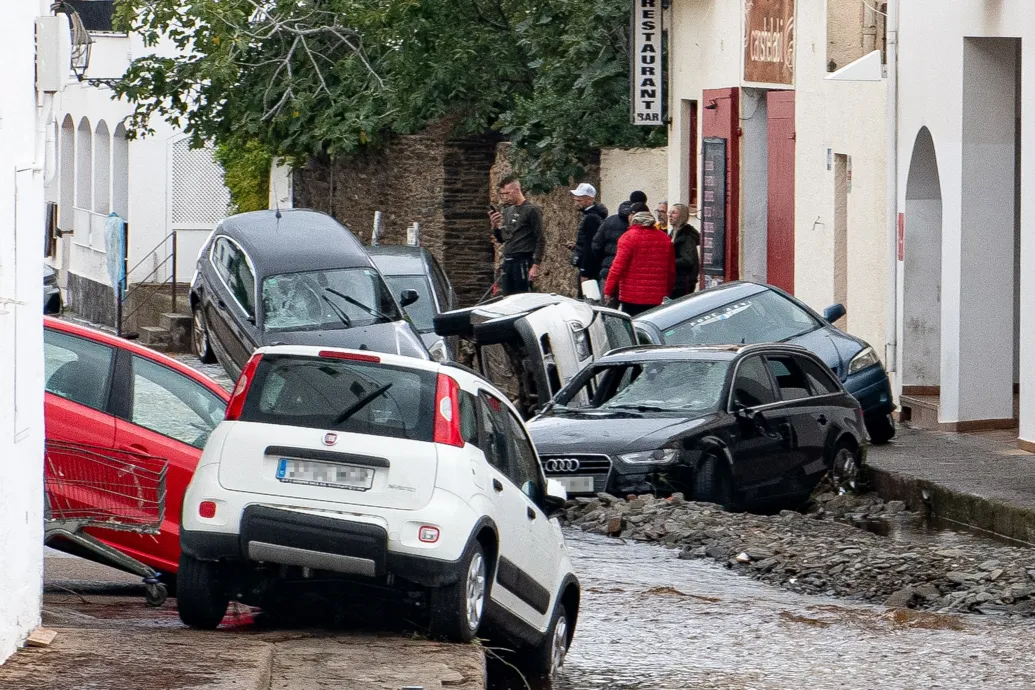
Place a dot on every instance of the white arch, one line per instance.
(66, 168)
(120, 172)
(102, 169)
(84, 165)
(922, 269)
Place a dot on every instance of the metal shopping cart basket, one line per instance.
(87, 486)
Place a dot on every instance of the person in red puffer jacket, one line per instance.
(644, 270)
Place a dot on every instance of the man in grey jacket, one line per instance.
(519, 227)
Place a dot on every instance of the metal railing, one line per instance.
(153, 288)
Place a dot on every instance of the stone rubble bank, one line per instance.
(814, 554)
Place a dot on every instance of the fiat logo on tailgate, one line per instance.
(330, 438)
(562, 465)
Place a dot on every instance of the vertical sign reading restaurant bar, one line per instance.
(713, 212)
(646, 63)
(769, 41)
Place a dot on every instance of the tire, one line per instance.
(199, 336)
(881, 429)
(845, 469)
(544, 660)
(712, 483)
(458, 609)
(202, 594)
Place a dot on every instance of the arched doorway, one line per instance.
(84, 166)
(102, 169)
(922, 271)
(66, 167)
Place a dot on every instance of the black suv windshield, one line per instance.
(653, 386)
(353, 396)
(313, 300)
(763, 318)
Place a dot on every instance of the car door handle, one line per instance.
(135, 448)
(530, 513)
(822, 419)
(497, 485)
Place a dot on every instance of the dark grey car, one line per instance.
(414, 268)
(298, 279)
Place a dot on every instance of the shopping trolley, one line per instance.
(88, 486)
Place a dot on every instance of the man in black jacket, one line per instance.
(519, 227)
(593, 215)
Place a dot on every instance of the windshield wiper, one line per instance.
(342, 316)
(357, 303)
(360, 404)
(639, 408)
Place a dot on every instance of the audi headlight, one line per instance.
(664, 456)
(866, 358)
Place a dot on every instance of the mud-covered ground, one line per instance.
(816, 554)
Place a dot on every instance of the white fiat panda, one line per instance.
(382, 469)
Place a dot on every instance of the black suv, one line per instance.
(292, 278)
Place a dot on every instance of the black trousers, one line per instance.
(634, 309)
(515, 274)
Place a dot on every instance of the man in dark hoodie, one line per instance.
(605, 242)
(593, 215)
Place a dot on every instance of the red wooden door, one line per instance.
(780, 234)
(721, 118)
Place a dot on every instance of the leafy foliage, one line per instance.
(302, 78)
(247, 174)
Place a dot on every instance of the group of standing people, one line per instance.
(637, 258)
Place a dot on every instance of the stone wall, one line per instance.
(446, 184)
(560, 221)
(91, 300)
(439, 181)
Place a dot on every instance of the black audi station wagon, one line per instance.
(741, 426)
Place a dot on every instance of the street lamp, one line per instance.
(82, 41)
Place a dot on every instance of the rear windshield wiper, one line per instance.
(360, 404)
(357, 303)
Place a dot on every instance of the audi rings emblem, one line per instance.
(561, 465)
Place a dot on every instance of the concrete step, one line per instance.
(920, 411)
(179, 327)
(154, 337)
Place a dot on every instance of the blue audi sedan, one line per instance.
(742, 313)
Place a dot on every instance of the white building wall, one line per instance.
(623, 171)
(845, 118)
(931, 88)
(21, 333)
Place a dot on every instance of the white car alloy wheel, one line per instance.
(560, 644)
(475, 599)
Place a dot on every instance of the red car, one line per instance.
(108, 392)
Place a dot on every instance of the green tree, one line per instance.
(300, 78)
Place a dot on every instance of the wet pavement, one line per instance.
(650, 620)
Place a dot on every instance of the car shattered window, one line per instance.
(762, 318)
(323, 300)
(681, 385)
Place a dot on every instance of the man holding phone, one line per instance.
(519, 227)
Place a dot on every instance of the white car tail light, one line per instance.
(428, 534)
(447, 412)
(236, 404)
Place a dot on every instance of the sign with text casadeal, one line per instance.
(769, 41)
(646, 63)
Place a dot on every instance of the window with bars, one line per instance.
(199, 195)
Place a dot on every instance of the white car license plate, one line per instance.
(576, 485)
(329, 474)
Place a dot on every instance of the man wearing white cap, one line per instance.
(593, 214)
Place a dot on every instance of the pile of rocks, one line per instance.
(817, 555)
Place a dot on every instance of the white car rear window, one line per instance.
(346, 395)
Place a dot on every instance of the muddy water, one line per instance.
(650, 620)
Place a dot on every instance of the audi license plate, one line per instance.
(576, 485)
(293, 471)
